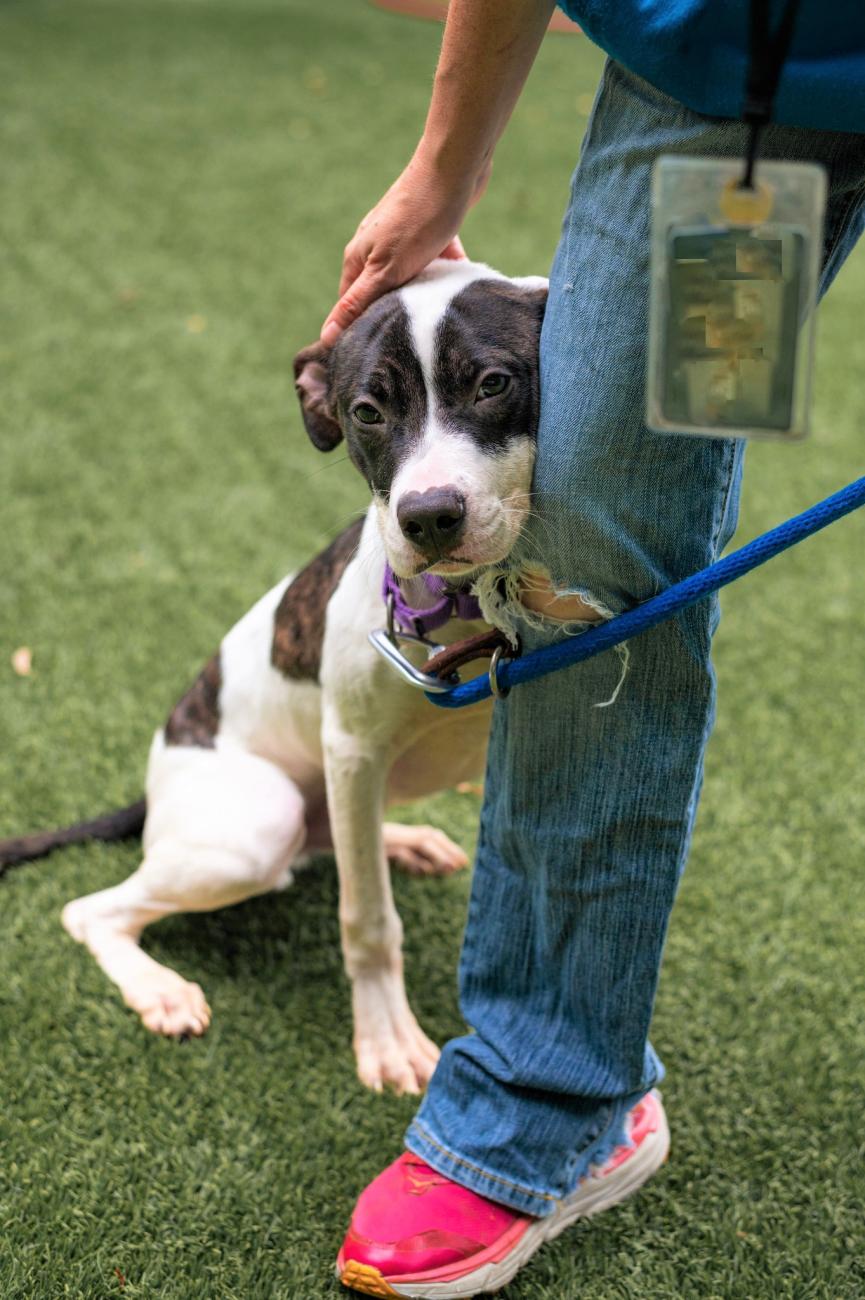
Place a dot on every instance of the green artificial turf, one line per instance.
(179, 179)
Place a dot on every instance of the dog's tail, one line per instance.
(120, 825)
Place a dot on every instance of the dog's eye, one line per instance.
(492, 386)
(365, 413)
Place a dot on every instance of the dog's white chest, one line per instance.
(449, 750)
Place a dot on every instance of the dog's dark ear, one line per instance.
(312, 385)
(535, 289)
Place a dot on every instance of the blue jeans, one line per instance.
(588, 811)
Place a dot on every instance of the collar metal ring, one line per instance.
(498, 691)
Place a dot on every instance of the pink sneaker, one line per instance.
(415, 1233)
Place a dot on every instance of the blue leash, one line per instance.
(682, 594)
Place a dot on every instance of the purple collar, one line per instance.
(450, 603)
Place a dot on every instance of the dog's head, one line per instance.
(435, 390)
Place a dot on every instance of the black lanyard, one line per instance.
(766, 54)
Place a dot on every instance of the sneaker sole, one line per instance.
(597, 1195)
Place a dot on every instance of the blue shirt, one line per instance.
(697, 52)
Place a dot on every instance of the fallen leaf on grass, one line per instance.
(22, 661)
(315, 80)
(196, 324)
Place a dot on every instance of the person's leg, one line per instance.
(589, 803)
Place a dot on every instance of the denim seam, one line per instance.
(600, 96)
(725, 504)
(467, 1164)
(856, 197)
(467, 943)
(596, 1137)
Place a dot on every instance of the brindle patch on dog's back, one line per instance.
(298, 630)
(195, 719)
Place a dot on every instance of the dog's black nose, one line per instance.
(432, 520)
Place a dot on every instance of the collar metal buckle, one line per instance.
(387, 641)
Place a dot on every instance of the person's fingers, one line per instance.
(360, 285)
(454, 250)
(352, 264)
(368, 286)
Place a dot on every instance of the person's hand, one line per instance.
(487, 51)
(416, 221)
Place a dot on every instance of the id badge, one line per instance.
(733, 294)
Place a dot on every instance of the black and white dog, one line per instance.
(296, 735)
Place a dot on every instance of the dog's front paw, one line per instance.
(422, 850)
(391, 1048)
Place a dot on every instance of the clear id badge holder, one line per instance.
(733, 295)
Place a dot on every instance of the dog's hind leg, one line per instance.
(110, 923)
(221, 827)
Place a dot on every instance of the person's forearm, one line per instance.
(487, 52)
